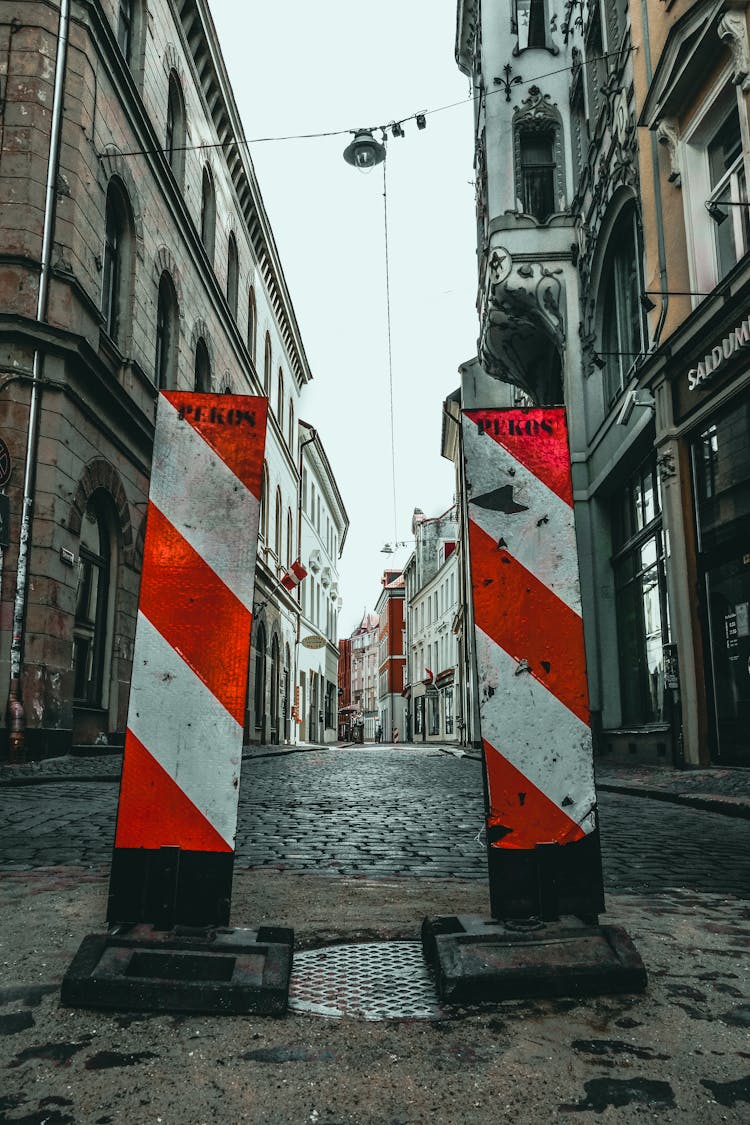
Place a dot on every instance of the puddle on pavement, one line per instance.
(106, 1060)
(601, 1093)
(59, 1053)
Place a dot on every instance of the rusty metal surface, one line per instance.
(372, 981)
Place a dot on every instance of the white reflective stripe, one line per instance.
(542, 539)
(529, 726)
(185, 727)
(200, 496)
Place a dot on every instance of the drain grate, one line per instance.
(373, 981)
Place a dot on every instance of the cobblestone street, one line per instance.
(381, 813)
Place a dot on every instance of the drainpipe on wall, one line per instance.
(657, 187)
(16, 712)
(302, 444)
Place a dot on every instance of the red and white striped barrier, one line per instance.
(531, 669)
(174, 842)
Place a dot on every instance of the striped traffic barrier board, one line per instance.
(542, 836)
(177, 815)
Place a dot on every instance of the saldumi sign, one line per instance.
(719, 356)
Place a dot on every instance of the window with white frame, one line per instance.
(715, 190)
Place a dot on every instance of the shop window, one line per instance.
(641, 601)
(202, 383)
(721, 472)
(449, 710)
(117, 260)
(165, 360)
(90, 628)
(434, 713)
(620, 312)
(174, 145)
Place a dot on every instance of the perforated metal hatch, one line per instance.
(373, 981)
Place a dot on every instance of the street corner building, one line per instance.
(613, 229)
(137, 256)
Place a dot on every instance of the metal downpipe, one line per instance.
(16, 712)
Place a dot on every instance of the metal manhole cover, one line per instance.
(374, 981)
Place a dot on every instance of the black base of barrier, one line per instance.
(219, 972)
(170, 887)
(547, 881)
(475, 960)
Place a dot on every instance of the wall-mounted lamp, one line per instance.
(598, 360)
(646, 303)
(716, 209)
(629, 403)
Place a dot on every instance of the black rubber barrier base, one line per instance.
(547, 881)
(219, 972)
(476, 960)
(170, 887)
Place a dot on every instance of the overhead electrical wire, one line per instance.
(236, 141)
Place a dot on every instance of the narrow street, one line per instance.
(378, 813)
(352, 848)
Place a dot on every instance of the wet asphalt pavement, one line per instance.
(379, 813)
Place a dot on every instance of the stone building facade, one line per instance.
(163, 273)
(611, 171)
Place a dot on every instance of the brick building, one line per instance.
(158, 269)
(391, 656)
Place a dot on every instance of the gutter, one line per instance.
(16, 712)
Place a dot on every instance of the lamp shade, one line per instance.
(364, 152)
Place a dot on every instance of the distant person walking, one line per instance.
(378, 733)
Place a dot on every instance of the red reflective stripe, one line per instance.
(528, 621)
(154, 812)
(545, 455)
(517, 804)
(196, 613)
(238, 443)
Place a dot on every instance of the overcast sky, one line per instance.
(298, 67)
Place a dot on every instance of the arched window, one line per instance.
(208, 212)
(92, 615)
(233, 275)
(292, 432)
(252, 323)
(537, 174)
(289, 539)
(202, 382)
(620, 314)
(280, 400)
(117, 260)
(263, 519)
(275, 685)
(538, 156)
(278, 527)
(175, 133)
(165, 361)
(267, 362)
(259, 694)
